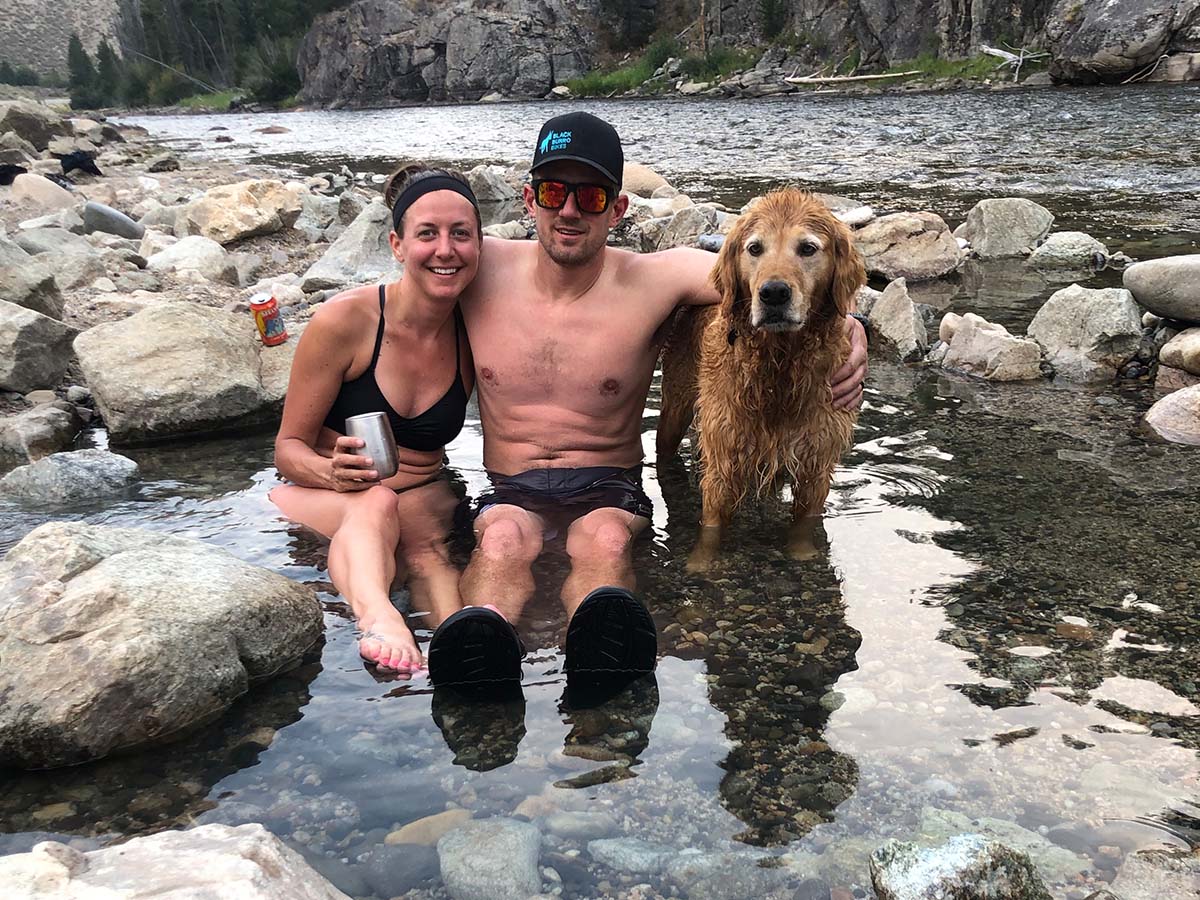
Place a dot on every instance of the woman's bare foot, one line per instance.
(390, 645)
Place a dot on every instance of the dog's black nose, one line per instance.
(775, 293)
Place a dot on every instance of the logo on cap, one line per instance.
(555, 140)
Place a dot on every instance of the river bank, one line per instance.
(1000, 641)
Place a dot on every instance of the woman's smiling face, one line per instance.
(440, 245)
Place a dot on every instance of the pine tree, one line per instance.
(108, 73)
(81, 75)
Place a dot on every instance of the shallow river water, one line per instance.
(1002, 635)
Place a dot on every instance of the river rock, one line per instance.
(79, 475)
(1009, 226)
(1158, 874)
(1183, 351)
(507, 231)
(392, 870)
(1169, 287)
(1171, 379)
(914, 246)
(41, 191)
(40, 431)
(362, 253)
(718, 876)
(680, 230)
(177, 369)
(428, 831)
(69, 219)
(1087, 335)
(490, 184)
(35, 350)
(232, 212)
(164, 162)
(28, 282)
(986, 349)
(966, 867)
(196, 257)
(1068, 250)
(1055, 863)
(247, 862)
(641, 180)
(57, 241)
(98, 217)
(895, 318)
(317, 213)
(32, 122)
(631, 856)
(491, 859)
(1109, 42)
(116, 638)
(1176, 417)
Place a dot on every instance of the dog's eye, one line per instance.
(754, 248)
(807, 248)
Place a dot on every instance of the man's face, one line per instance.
(570, 236)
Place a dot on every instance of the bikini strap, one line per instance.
(379, 331)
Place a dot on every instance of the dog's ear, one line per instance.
(726, 275)
(849, 274)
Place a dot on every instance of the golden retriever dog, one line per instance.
(755, 368)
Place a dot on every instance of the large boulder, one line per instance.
(116, 638)
(1176, 417)
(1109, 42)
(1068, 250)
(361, 254)
(232, 212)
(79, 475)
(246, 862)
(966, 867)
(58, 241)
(491, 859)
(895, 318)
(1168, 287)
(33, 122)
(28, 282)
(914, 246)
(681, 229)
(35, 350)
(490, 184)
(641, 180)
(42, 192)
(40, 431)
(197, 258)
(986, 349)
(1087, 335)
(1008, 226)
(178, 369)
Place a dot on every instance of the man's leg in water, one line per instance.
(507, 541)
(600, 545)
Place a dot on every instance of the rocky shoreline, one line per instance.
(124, 301)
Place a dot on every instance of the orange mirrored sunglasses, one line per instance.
(550, 193)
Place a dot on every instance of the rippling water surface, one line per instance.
(1004, 627)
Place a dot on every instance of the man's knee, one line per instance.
(599, 535)
(510, 534)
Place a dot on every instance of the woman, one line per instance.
(390, 348)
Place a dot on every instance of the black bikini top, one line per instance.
(431, 430)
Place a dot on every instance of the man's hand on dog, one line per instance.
(847, 382)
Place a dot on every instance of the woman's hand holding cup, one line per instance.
(348, 471)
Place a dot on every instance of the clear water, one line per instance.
(1005, 624)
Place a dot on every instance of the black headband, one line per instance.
(414, 190)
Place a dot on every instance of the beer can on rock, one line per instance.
(268, 319)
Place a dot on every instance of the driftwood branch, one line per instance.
(1016, 60)
(833, 79)
(1145, 73)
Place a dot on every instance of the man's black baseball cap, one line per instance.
(584, 138)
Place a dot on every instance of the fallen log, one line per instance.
(834, 79)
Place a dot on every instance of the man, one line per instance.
(566, 334)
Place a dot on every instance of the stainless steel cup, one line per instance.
(378, 441)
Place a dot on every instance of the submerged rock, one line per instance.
(1053, 862)
(1183, 351)
(1158, 874)
(966, 867)
(116, 638)
(1169, 287)
(1176, 417)
(75, 476)
(1088, 335)
(631, 856)
(491, 859)
(1008, 226)
(247, 862)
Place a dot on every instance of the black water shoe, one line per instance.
(611, 632)
(475, 646)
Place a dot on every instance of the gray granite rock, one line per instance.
(1087, 335)
(75, 476)
(1158, 874)
(361, 254)
(27, 281)
(35, 350)
(915, 246)
(491, 859)
(1008, 226)
(98, 217)
(631, 856)
(1169, 287)
(1176, 417)
(40, 431)
(965, 867)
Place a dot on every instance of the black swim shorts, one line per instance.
(570, 493)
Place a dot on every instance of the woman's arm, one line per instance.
(324, 355)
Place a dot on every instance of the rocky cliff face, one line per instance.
(1118, 39)
(34, 33)
(413, 50)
